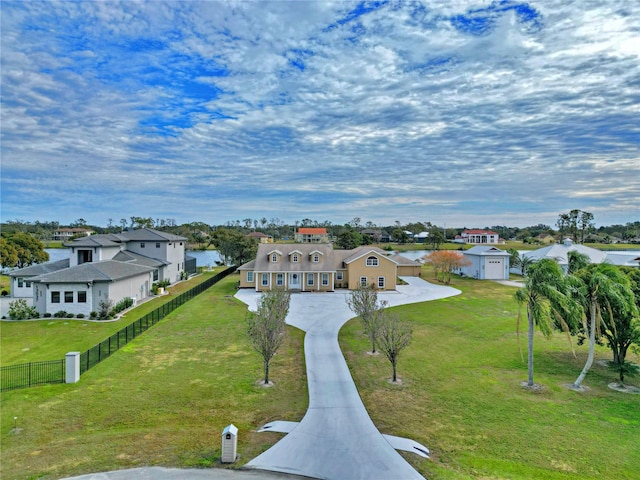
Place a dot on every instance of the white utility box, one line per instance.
(229, 444)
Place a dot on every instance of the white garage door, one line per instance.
(494, 269)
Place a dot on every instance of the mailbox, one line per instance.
(229, 444)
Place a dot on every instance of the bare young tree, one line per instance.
(393, 337)
(266, 327)
(363, 301)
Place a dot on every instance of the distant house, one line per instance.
(311, 235)
(487, 263)
(376, 235)
(479, 237)
(320, 268)
(261, 237)
(560, 253)
(546, 238)
(101, 267)
(65, 234)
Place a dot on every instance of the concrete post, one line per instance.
(72, 363)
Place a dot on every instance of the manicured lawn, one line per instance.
(165, 398)
(161, 400)
(52, 338)
(461, 396)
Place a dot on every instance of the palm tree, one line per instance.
(549, 304)
(604, 287)
(577, 261)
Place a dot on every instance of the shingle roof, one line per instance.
(40, 268)
(126, 256)
(106, 271)
(113, 239)
(305, 264)
(312, 231)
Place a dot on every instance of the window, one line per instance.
(27, 284)
(310, 279)
(380, 282)
(82, 297)
(372, 261)
(325, 279)
(316, 258)
(156, 275)
(157, 244)
(294, 258)
(142, 245)
(363, 281)
(68, 297)
(339, 275)
(279, 279)
(55, 297)
(274, 258)
(265, 279)
(20, 282)
(249, 276)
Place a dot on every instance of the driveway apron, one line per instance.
(336, 439)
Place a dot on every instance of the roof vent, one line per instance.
(567, 242)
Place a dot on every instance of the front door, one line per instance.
(294, 281)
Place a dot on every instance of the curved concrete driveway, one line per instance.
(336, 439)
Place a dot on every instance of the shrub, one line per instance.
(61, 314)
(122, 305)
(19, 310)
(80, 315)
(93, 315)
(4, 293)
(104, 308)
(47, 315)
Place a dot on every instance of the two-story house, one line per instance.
(101, 267)
(320, 268)
(311, 235)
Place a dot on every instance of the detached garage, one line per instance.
(487, 263)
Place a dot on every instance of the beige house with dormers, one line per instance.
(320, 268)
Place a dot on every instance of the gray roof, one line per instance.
(40, 268)
(330, 259)
(106, 271)
(126, 256)
(400, 260)
(560, 253)
(114, 239)
(486, 250)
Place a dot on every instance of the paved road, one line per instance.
(336, 439)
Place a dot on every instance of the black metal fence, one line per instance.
(53, 371)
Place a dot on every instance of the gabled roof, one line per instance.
(105, 271)
(263, 263)
(102, 240)
(400, 260)
(486, 250)
(40, 268)
(312, 231)
(360, 252)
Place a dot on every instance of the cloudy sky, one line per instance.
(465, 113)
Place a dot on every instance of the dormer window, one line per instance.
(294, 258)
(142, 245)
(316, 258)
(274, 258)
(372, 261)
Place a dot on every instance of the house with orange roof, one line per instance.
(311, 235)
(479, 237)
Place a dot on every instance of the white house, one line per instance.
(487, 263)
(113, 266)
(479, 237)
(560, 253)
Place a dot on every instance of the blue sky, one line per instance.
(471, 113)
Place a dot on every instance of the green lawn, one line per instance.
(52, 338)
(161, 400)
(165, 398)
(461, 396)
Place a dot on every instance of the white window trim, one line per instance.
(374, 261)
(264, 281)
(325, 279)
(363, 281)
(274, 258)
(310, 280)
(249, 276)
(383, 282)
(339, 275)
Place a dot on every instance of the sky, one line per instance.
(462, 113)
